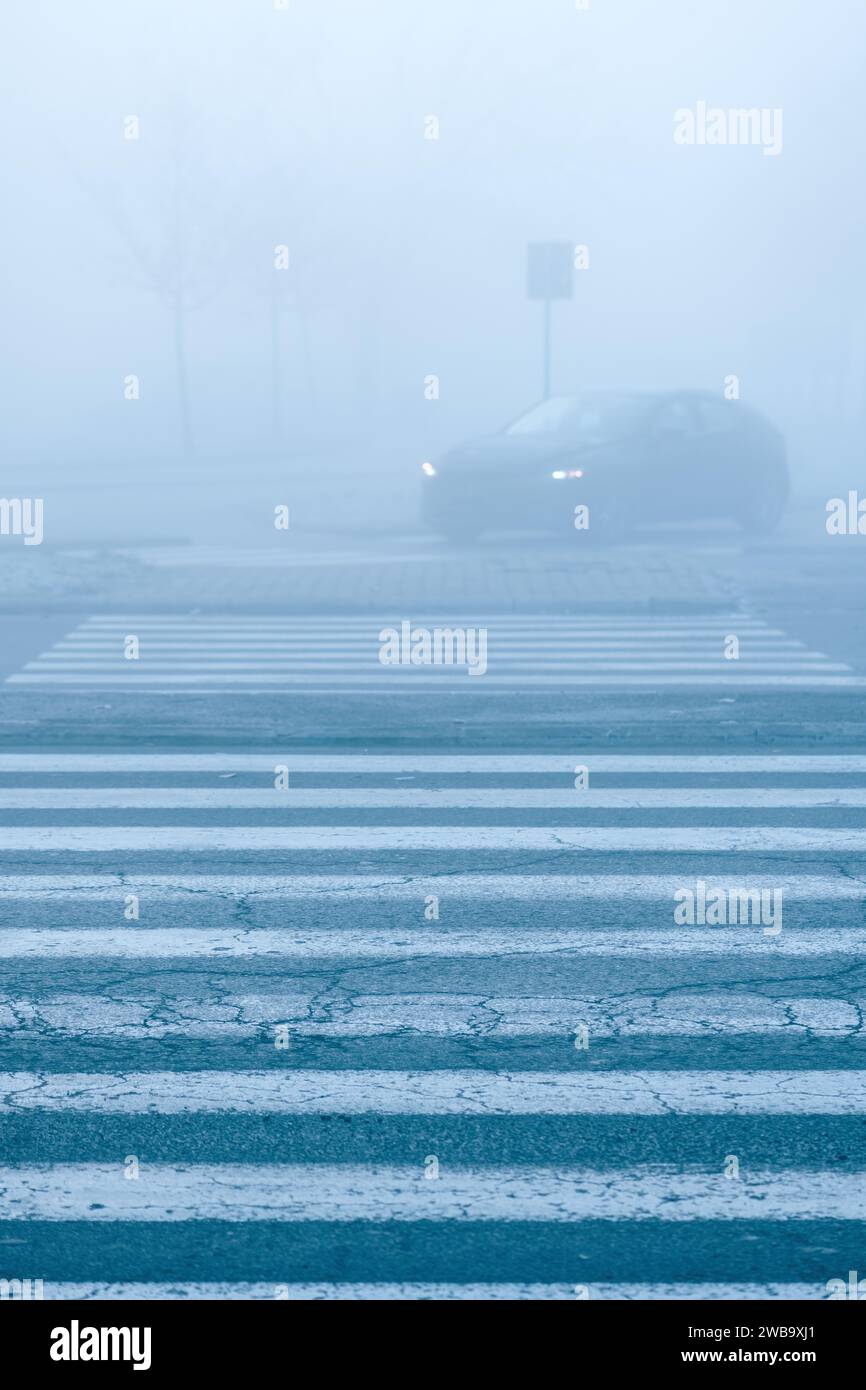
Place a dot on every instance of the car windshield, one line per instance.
(590, 419)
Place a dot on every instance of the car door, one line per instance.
(723, 464)
(673, 479)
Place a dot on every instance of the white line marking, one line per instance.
(370, 669)
(297, 1092)
(422, 941)
(512, 622)
(99, 1192)
(445, 799)
(437, 1293)
(538, 640)
(243, 1016)
(239, 761)
(742, 839)
(384, 888)
(205, 656)
(82, 645)
(390, 680)
(325, 691)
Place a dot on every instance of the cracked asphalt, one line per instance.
(432, 1024)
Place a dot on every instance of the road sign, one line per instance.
(550, 269)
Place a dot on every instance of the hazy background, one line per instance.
(304, 126)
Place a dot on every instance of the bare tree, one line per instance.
(181, 230)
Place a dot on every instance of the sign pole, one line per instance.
(549, 276)
(547, 304)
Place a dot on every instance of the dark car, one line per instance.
(627, 457)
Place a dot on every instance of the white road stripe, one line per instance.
(389, 680)
(362, 658)
(363, 622)
(319, 691)
(483, 1017)
(384, 888)
(436, 798)
(293, 647)
(433, 1292)
(239, 761)
(423, 941)
(296, 1192)
(556, 635)
(556, 638)
(364, 627)
(533, 635)
(711, 839)
(370, 670)
(297, 1092)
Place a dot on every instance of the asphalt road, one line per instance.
(423, 1023)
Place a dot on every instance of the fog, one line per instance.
(157, 155)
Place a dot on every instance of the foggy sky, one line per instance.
(305, 126)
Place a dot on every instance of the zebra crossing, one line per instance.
(168, 653)
(425, 1025)
(429, 1292)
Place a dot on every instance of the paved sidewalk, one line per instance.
(540, 578)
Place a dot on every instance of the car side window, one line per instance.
(715, 417)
